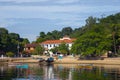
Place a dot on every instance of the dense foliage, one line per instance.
(54, 34)
(39, 50)
(97, 37)
(62, 48)
(10, 41)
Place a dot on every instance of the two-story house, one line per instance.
(49, 44)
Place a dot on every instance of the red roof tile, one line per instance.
(58, 41)
(31, 45)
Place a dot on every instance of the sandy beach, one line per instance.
(109, 61)
(73, 60)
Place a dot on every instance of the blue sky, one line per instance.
(29, 17)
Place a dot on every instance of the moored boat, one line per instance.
(25, 66)
(48, 61)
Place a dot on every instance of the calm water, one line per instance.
(59, 72)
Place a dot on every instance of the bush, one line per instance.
(10, 54)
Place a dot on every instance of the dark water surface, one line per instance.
(60, 72)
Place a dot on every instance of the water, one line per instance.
(60, 72)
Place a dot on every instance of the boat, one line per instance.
(24, 66)
(50, 60)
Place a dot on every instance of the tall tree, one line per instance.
(42, 35)
(56, 34)
(91, 21)
(67, 31)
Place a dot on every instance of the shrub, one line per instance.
(10, 54)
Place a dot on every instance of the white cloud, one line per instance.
(66, 1)
(38, 11)
(60, 15)
(20, 1)
(51, 11)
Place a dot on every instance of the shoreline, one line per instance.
(107, 61)
(68, 60)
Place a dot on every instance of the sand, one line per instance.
(73, 60)
(111, 61)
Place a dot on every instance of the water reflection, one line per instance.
(59, 72)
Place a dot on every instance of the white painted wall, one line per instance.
(50, 46)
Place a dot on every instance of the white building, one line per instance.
(49, 44)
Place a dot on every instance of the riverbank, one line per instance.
(67, 60)
(106, 61)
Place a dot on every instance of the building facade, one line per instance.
(29, 48)
(50, 44)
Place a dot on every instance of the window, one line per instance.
(54, 45)
(46, 45)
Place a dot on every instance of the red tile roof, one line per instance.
(58, 41)
(31, 45)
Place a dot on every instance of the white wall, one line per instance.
(50, 46)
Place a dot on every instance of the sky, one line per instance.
(30, 17)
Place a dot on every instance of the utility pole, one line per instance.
(114, 41)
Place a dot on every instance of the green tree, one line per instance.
(14, 36)
(49, 36)
(39, 40)
(10, 54)
(4, 40)
(56, 34)
(54, 50)
(39, 50)
(76, 49)
(25, 41)
(92, 42)
(42, 35)
(9, 41)
(91, 21)
(63, 48)
(66, 31)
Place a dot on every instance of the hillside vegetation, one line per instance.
(97, 37)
